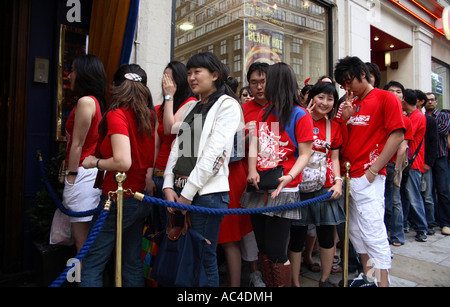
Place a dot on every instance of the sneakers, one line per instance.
(256, 280)
(361, 281)
(421, 237)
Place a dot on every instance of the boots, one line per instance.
(275, 274)
(264, 265)
(282, 275)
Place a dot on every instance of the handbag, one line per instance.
(268, 179)
(405, 173)
(178, 262)
(314, 174)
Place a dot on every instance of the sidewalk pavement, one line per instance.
(414, 264)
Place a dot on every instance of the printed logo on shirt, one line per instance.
(319, 144)
(373, 156)
(359, 120)
(272, 151)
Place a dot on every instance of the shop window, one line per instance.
(245, 31)
(440, 80)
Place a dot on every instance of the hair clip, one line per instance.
(133, 77)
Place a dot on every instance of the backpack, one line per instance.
(315, 173)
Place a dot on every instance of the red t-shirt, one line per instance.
(122, 121)
(91, 138)
(408, 136)
(320, 138)
(280, 147)
(251, 110)
(166, 140)
(376, 117)
(419, 127)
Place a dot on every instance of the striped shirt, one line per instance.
(443, 126)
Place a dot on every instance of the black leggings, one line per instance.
(272, 236)
(325, 235)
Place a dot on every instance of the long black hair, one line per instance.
(281, 92)
(211, 62)
(183, 92)
(90, 78)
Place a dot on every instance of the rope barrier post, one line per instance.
(346, 239)
(120, 179)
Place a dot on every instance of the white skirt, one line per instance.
(81, 196)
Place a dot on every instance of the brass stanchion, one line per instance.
(346, 239)
(120, 179)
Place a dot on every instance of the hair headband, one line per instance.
(133, 77)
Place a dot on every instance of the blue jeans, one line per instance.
(93, 264)
(208, 225)
(413, 206)
(442, 204)
(388, 196)
(396, 230)
(427, 196)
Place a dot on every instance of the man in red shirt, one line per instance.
(375, 131)
(413, 205)
(256, 77)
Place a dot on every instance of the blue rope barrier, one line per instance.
(87, 245)
(239, 211)
(160, 202)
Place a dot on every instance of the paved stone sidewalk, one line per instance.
(414, 264)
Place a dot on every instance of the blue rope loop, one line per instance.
(239, 211)
(87, 245)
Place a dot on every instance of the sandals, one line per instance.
(313, 267)
(397, 244)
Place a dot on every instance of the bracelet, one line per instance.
(373, 173)
(98, 161)
(338, 178)
(291, 176)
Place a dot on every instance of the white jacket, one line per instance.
(222, 122)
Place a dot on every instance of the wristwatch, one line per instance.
(71, 173)
(168, 97)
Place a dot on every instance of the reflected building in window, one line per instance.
(241, 32)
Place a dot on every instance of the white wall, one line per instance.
(153, 42)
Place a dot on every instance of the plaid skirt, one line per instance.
(259, 199)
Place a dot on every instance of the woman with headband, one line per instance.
(126, 145)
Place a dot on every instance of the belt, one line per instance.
(180, 182)
(158, 173)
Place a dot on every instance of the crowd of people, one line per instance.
(183, 151)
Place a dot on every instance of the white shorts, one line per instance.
(81, 196)
(249, 248)
(367, 231)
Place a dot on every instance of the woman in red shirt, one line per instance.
(285, 135)
(322, 103)
(88, 82)
(177, 94)
(127, 145)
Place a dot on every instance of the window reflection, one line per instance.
(241, 32)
